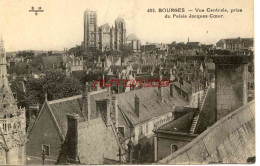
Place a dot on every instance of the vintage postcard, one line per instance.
(127, 82)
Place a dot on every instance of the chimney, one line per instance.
(46, 96)
(137, 106)
(98, 86)
(86, 102)
(231, 83)
(103, 81)
(114, 113)
(72, 136)
(160, 90)
(130, 151)
(108, 112)
(171, 90)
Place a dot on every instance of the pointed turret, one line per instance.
(8, 107)
(12, 121)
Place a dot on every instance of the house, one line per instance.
(133, 43)
(234, 44)
(128, 120)
(140, 112)
(231, 138)
(50, 129)
(65, 63)
(187, 124)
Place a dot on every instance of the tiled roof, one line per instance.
(207, 114)
(114, 58)
(62, 107)
(181, 124)
(132, 37)
(185, 89)
(150, 104)
(237, 40)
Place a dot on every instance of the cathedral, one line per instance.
(103, 37)
(12, 121)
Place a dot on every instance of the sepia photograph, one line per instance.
(111, 82)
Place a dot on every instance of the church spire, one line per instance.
(12, 119)
(8, 105)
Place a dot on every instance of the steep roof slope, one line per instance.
(230, 140)
(150, 103)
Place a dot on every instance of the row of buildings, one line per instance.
(143, 125)
(112, 125)
(234, 44)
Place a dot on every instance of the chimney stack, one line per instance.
(72, 135)
(114, 113)
(171, 90)
(86, 102)
(160, 90)
(98, 86)
(231, 83)
(137, 105)
(108, 112)
(46, 96)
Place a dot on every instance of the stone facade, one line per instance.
(103, 37)
(235, 44)
(231, 83)
(12, 121)
(133, 43)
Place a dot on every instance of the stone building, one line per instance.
(140, 112)
(103, 37)
(187, 124)
(232, 138)
(50, 128)
(234, 44)
(12, 121)
(133, 43)
(65, 63)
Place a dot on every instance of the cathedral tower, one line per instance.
(120, 33)
(90, 28)
(12, 121)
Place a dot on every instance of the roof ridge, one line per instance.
(64, 99)
(74, 97)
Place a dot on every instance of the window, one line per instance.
(174, 148)
(140, 130)
(147, 128)
(122, 130)
(46, 149)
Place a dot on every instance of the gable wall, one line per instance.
(44, 131)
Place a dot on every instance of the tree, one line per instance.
(55, 84)
(26, 54)
(127, 52)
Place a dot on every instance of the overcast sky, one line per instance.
(61, 23)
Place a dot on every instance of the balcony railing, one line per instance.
(14, 124)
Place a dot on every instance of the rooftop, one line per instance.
(230, 140)
(150, 104)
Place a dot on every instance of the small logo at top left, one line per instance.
(36, 10)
